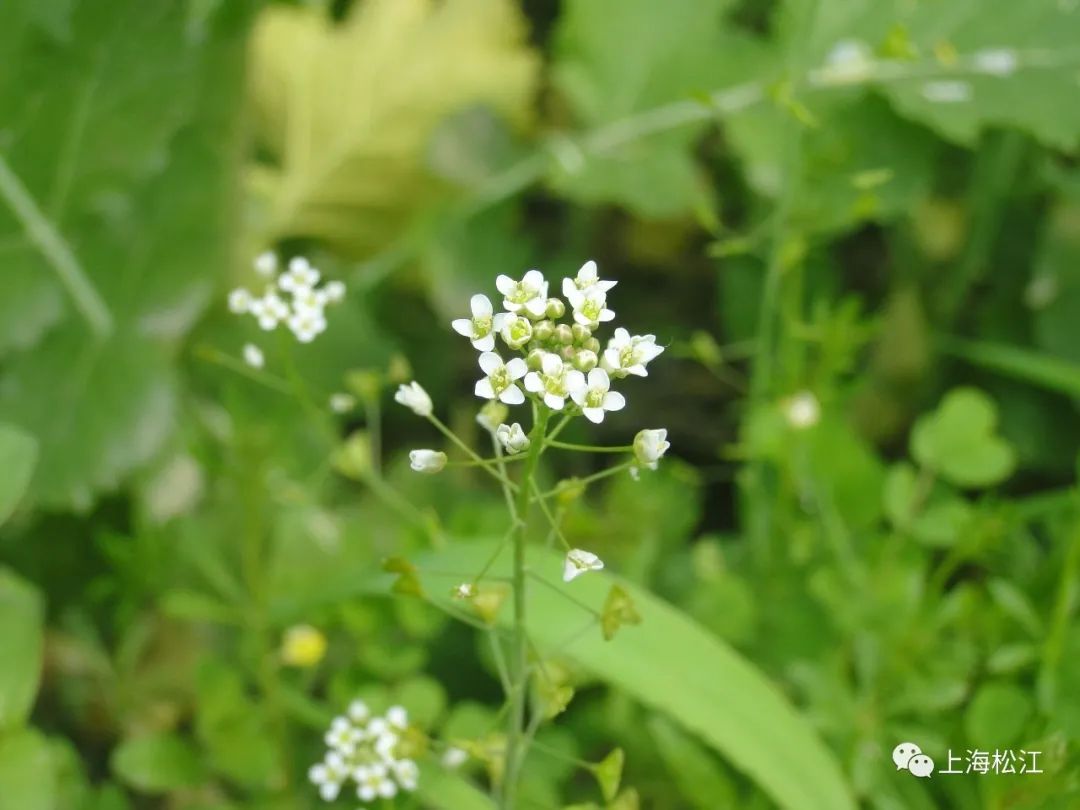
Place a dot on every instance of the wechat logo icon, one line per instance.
(909, 757)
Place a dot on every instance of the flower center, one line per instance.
(481, 325)
(521, 293)
(554, 384)
(595, 398)
(628, 356)
(500, 380)
(591, 309)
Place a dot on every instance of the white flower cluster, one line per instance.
(364, 748)
(292, 297)
(562, 364)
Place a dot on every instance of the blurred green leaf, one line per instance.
(22, 617)
(615, 58)
(958, 441)
(996, 716)
(701, 780)
(27, 773)
(719, 696)
(443, 790)
(1034, 368)
(157, 763)
(349, 144)
(18, 456)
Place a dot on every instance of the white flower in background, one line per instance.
(516, 331)
(947, 91)
(300, 276)
(586, 280)
(512, 438)
(491, 415)
(454, 757)
(590, 307)
(850, 60)
(594, 396)
(650, 446)
(364, 748)
(500, 382)
(240, 301)
(802, 411)
(626, 354)
(307, 324)
(530, 294)
(466, 590)
(996, 61)
(341, 402)
(554, 381)
(481, 327)
(415, 398)
(578, 561)
(427, 461)
(329, 775)
(253, 356)
(309, 300)
(269, 311)
(265, 264)
(334, 291)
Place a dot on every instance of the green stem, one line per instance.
(591, 448)
(486, 466)
(1066, 600)
(516, 730)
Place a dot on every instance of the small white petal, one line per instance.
(463, 326)
(484, 344)
(490, 362)
(512, 396)
(614, 401)
(533, 383)
(484, 389)
(480, 306)
(554, 402)
(517, 368)
(595, 415)
(504, 284)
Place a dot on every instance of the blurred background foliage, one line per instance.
(875, 201)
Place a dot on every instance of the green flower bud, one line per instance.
(592, 344)
(568, 353)
(585, 360)
(544, 330)
(517, 332)
(535, 360)
(564, 334)
(581, 333)
(555, 308)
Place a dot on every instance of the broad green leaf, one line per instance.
(122, 201)
(443, 790)
(958, 441)
(617, 58)
(699, 776)
(349, 143)
(22, 617)
(157, 763)
(674, 666)
(996, 716)
(18, 455)
(27, 772)
(1053, 293)
(1032, 367)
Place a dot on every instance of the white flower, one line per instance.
(516, 331)
(407, 773)
(427, 461)
(586, 280)
(329, 776)
(626, 354)
(650, 446)
(341, 402)
(594, 397)
(265, 264)
(240, 301)
(481, 327)
(309, 301)
(269, 310)
(529, 294)
(802, 411)
(253, 356)
(512, 438)
(590, 307)
(300, 276)
(307, 324)
(343, 736)
(554, 381)
(335, 291)
(397, 716)
(385, 743)
(849, 61)
(996, 61)
(454, 757)
(373, 783)
(578, 561)
(500, 380)
(466, 590)
(359, 711)
(415, 398)
(946, 91)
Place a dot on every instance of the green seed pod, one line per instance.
(564, 334)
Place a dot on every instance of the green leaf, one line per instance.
(700, 778)
(18, 455)
(958, 441)
(157, 763)
(997, 714)
(672, 665)
(117, 203)
(22, 617)
(349, 145)
(443, 790)
(1034, 368)
(616, 58)
(608, 773)
(27, 772)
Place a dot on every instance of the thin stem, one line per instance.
(373, 412)
(52, 245)
(551, 518)
(1066, 600)
(591, 448)
(220, 358)
(483, 464)
(589, 479)
(515, 740)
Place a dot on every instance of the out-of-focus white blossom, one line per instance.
(415, 398)
(427, 461)
(578, 561)
(253, 356)
(650, 446)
